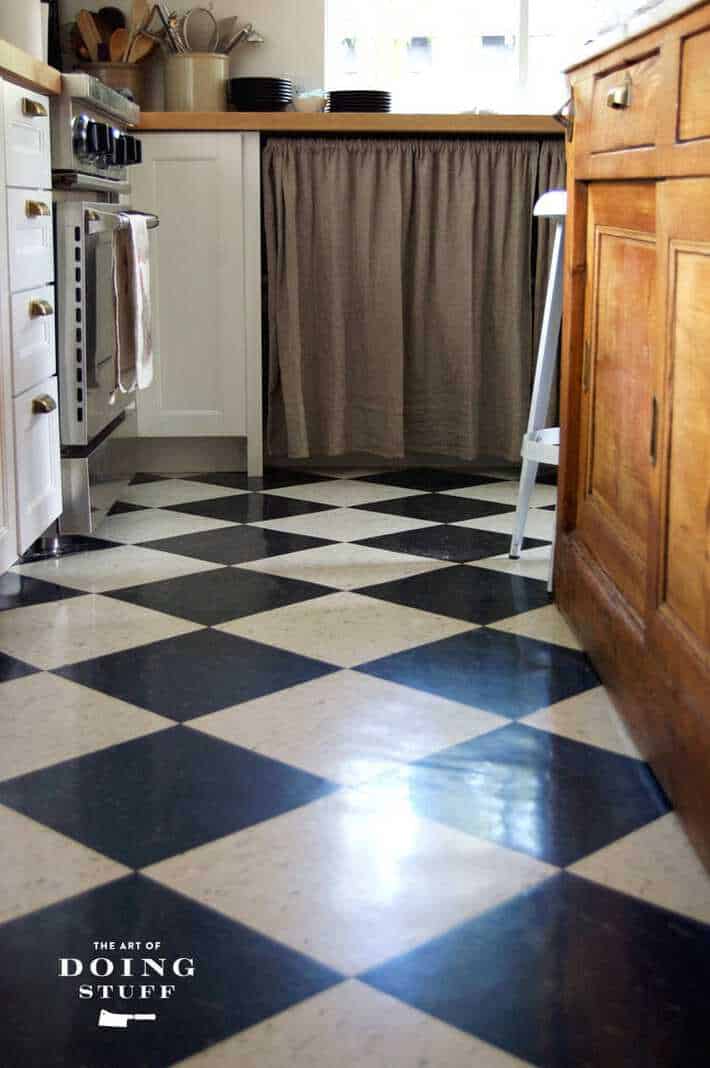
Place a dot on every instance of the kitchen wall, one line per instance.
(294, 32)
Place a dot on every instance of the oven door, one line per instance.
(89, 405)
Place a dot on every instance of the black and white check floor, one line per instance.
(319, 734)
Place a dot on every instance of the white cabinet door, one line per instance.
(39, 480)
(195, 183)
(8, 528)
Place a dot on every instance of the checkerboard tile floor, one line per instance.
(317, 732)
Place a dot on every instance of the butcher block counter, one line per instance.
(19, 66)
(286, 122)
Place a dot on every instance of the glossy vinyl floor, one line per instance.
(337, 767)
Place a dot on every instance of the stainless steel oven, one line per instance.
(93, 150)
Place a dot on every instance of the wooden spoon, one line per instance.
(140, 13)
(89, 33)
(141, 47)
(118, 44)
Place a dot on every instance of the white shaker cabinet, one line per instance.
(206, 286)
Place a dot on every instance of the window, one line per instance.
(462, 55)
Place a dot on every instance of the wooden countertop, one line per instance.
(19, 66)
(295, 122)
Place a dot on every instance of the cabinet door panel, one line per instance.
(680, 576)
(38, 472)
(616, 411)
(194, 183)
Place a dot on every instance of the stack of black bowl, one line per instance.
(260, 94)
(359, 100)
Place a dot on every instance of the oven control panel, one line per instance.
(103, 145)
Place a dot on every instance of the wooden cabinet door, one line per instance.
(679, 575)
(613, 498)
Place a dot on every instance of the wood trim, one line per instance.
(295, 122)
(19, 66)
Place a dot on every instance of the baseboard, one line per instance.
(172, 456)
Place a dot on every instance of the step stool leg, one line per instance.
(528, 476)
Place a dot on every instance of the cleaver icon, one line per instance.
(120, 1019)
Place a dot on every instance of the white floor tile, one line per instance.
(344, 493)
(545, 624)
(345, 628)
(345, 566)
(540, 524)
(175, 491)
(46, 719)
(348, 727)
(657, 864)
(587, 717)
(348, 880)
(355, 1026)
(533, 563)
(507, 493)
(40, 867)
(113, 569)
(345, 524)
(79, 628)
(153, 523)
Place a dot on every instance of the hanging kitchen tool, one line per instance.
(89, 34)
(198, 29)
(227, 29)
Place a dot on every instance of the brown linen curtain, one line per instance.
(401, 298)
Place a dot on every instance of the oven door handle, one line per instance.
(99, 222)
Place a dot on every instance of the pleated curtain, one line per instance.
(404, 293)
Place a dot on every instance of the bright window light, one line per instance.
(463, 55)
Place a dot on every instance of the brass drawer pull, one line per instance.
(43, 405)
(35, 208)
(619, 97)
(33, 108)
(40, 308)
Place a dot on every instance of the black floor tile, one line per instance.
(569, 975)
(212, 597)
(123, 506)
(20, 591)
(142, 477)
(532, 791)
(439, 508)
(432, 479)
(249, 508)
(273, 478)
(240, 978)
(10, 668)
(195, 674)
(469, 593)
(161, 794)
(490, 669)
(236, 545)
(459, 544)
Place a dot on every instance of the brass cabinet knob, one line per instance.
(35, 208)
(33, 108)
(43, 405)
(619, 97)
(40, 308)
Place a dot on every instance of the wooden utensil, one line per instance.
(118, 44)
(140, 13)
(142, 46)
(89, 33)
(77, 44)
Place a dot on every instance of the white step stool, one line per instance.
(541, 444)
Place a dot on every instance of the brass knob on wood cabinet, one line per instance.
(43, 405)
(619, 97)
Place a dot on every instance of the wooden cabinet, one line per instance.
(617, 382)
(633, 563)
(206, 285)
